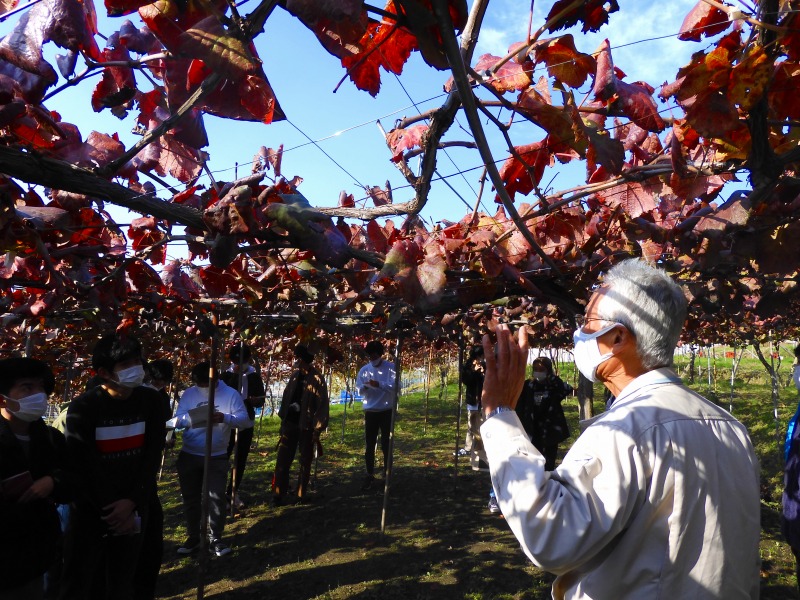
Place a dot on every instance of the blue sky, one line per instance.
(304, 76)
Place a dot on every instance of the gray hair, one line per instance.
(649, 304)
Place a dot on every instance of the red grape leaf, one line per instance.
(400, 140)
(508, 78)
(750, 77)
(338, 24)
(64, 22)
(592, 13)
(783, 98)
(563, 125)
(142, 278)
(222, 52)
(167, 156)
(633, 198)
(604, 150)
(379, 195)
(703, 20)
(218, 282)
(377, 237)
(117, 85)
(564, 62)
(515, 173)
(178, 283)
(383, 45)
(635, 100)
(144, 233)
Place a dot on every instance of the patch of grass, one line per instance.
(440, 542)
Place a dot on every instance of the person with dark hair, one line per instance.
(304, 415)
(192, 418)
(376, 383)
(115, 435)
(242, 376)
(33, 475)
(472, 378)
(659, 496)
(540, 411)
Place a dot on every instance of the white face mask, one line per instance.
(540, 375)
(31, 407)
(587, 352)
(131, 377)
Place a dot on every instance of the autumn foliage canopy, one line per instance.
(654, 182)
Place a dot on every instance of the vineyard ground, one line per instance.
(440, 541)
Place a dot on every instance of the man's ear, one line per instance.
(623, 339)
(104, 373)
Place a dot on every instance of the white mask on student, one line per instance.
(131, 377)
(587, 352)
(31, 407)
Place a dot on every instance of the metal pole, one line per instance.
(460, 397)
(390, 460)
(212, 385)
(236, 431)
(427, 389)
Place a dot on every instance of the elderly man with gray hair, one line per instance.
(659, 496)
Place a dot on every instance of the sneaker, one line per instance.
(238, 503)
(219, 548)
(189, 547)
(368, 481)
(461, 452)
(494, 508)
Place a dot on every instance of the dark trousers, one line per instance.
(292, 437)
(549, 451)
(94, 559)
(240, 459)
(190, 477)
(152, 552)
(374, 421)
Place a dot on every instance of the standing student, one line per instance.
(659, 496)
(32, 478)
(540, 411)
(375, 382)
(115, 436)
(250, 386)
(192, 418)
(304, 415)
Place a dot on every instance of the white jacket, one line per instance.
(381, 397)
(227, 401)
(658, 498)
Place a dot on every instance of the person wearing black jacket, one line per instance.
(33, 476)
(115, 435)
(539, 409)
(249, 384)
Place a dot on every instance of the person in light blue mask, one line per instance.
(659, 496)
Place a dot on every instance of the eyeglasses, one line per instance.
(582, 320)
